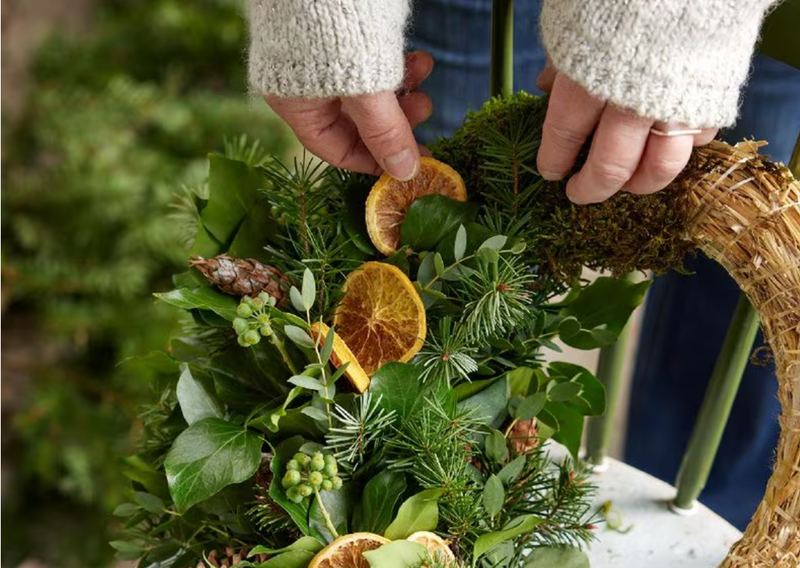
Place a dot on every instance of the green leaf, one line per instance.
(315, 413)
(298, 336)
(518, 526)
(297, 299)
(126, 510)
(562, 392)
(194, 398)
(282, 454)
(471, 388)
(381, 493)
(258, 228)
(233, 192)
(306, 382)
(149, 502)
(593, 393)
(327, 347)
(493, 495)
(308, 543)
(398, 554)
(339, 505)
(460, 245)
(548, 557)
(290, 559)
(398, 386)
(201, 298)
(570, 426)
(125, 546)
(488, 405)
(496, 447)
(531, 406)
(309, 290)
(418, 513)
(569, 327)
(488, 255)
(208, 456)
(268, 422)
(432, 217)
(607, 303)
(511, 472)
(495, 243)
(438, 264)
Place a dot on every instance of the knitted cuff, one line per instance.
(669, 60)
(326, 48)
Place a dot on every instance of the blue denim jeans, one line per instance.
(686, 316)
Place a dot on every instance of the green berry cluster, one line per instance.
(307, 473)
(253, 321)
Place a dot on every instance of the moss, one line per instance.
(625, 233)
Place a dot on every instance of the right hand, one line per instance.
(366, 133)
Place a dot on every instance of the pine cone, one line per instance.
(242, 277)
(523, 438)
(229, 559)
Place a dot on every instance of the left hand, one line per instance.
(624, 154)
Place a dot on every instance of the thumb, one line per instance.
(386, 133)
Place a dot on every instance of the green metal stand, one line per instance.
(716, 407)
(502, 72)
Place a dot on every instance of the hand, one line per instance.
(366, 133)
(624, 155)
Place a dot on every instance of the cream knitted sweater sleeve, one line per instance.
(670, 60)
(325, 48)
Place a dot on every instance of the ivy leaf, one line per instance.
(496, 447)
(398, 554)
(207, 457)
(548, 557)
(234, 190)
(194, 398)
(381, 493)
(309, 290)
(398, 386)
(201, 298)
(432, 217)
(460, 245)
(493, 495)
(520, 525)
(418, 513)
(339, 505)
(605, 306)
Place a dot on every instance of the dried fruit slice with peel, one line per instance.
(390, 199)
(348, 551)
(436, 545)
(380, 317)
(340, 355)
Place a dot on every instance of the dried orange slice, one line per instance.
(436, 545)
(348, 551)
(340, 355)
(381, 316)
(390, 199)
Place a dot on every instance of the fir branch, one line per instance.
(447, 354)
(355, 435)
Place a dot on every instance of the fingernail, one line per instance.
(402, 166)
(550, 176)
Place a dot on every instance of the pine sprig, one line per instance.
(355, 435)
(447, 355)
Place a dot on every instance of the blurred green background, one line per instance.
(109, 108)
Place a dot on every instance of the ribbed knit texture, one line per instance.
(325, 48)
(670, 60)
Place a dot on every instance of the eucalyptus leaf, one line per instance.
(495, 243)
(431, 217)
(375, 509)
(496, 447)
(488, 255)
(298, 336)
(194, 398)
(562, 392)
(438, 264)
(519, 526)
(493, 496)
(551, 557)
(207, 457)
(398, 554)
(417, 513)
(570, 426)
(309, 291)
(201, 298)
(306, 382)
(531, 406)
(460, 245)
(297, 299)
(489, 404)
(315, 413)
(512, 471)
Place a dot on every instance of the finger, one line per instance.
(572, 115)
(544, 82)
(663, 159)
(706, 136)
(416, 106)
(419, 65)
(326, 132)
(386, 132)
(616, 151)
